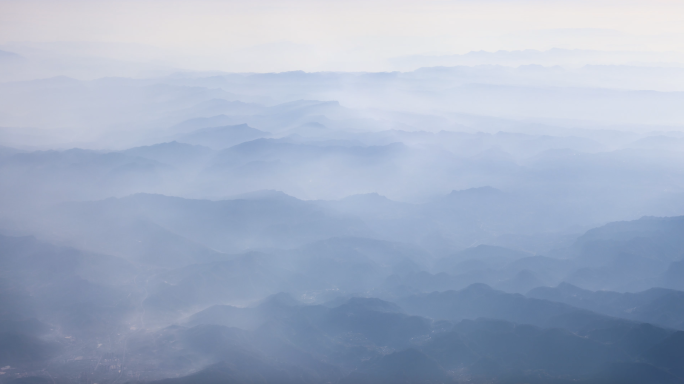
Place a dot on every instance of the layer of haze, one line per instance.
(350, 192)
(274, 36)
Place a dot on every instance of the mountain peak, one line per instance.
(264, 194)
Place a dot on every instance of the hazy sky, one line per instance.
(264, 35)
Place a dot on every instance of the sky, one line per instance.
(353, 35)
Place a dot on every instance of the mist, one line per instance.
(318, 192)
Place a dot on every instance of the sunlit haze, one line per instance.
(274, 36)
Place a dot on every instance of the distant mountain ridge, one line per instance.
(659, 306)
(222, 137)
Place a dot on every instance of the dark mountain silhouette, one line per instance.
(654, 238)
(408, 366)
(479, 300)
(174, 153)
(340, 343)
(669, 354)
(156, 227)
(657, 305)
